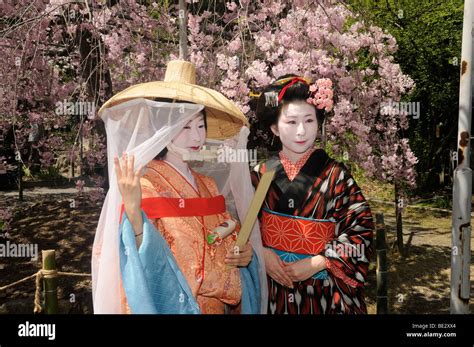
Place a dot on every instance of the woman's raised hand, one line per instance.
(129, 183)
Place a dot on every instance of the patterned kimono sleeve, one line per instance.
(347, 256)
(147, 191)
(255, 177)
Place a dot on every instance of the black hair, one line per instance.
(163, 152)
(268, 115)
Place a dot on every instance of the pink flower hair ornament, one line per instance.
(321, 93)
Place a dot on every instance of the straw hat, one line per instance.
(224, 118)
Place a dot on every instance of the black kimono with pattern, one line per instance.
(323, 189)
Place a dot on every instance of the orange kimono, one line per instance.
(212, 284)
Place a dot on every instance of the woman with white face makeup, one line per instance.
(204, 266)
(315, 223)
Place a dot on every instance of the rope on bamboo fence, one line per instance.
(40, 275)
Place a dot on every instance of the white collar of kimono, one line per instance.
(187, 175)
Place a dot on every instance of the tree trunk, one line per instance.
(183, 36)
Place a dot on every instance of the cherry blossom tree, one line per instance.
(256, 42)
(60, 53)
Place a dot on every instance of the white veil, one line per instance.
(144, 128)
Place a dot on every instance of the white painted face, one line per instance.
(193, 135)
(297, 126)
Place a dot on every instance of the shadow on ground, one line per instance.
(51, 223)
(419, 283)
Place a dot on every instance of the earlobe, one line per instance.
(274, 129)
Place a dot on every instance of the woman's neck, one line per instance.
(178, 162)
(294, 156)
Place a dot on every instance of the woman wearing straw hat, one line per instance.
(165, 240)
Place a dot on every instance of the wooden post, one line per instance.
(399, 205)
(72, 167)
(81, 149)
(381, 247)
(50, 284)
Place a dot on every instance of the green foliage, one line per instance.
(429, 35)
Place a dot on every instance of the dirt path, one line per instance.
(49, 219)
(419, 283)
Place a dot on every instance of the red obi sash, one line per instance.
(295, 234)
(180, 207)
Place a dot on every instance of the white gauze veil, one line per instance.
(143, 128)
